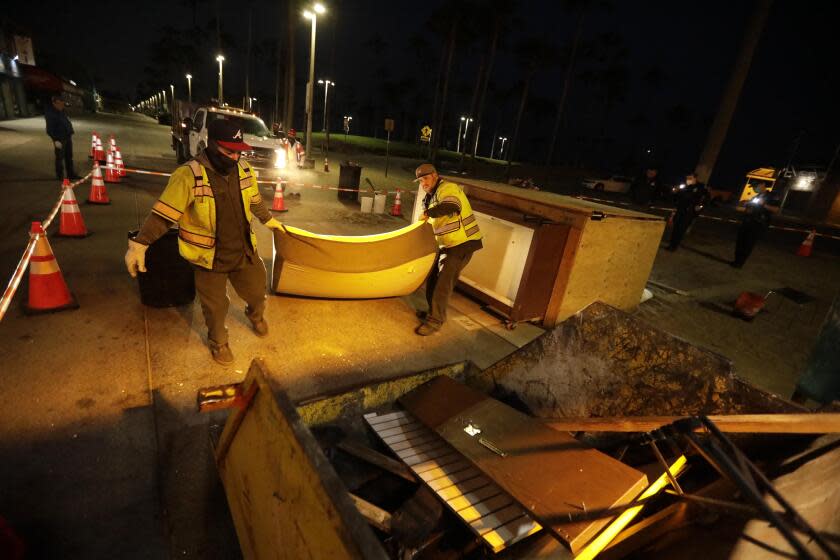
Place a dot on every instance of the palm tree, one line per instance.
(534, 54)
(717, 134)
(497, 15)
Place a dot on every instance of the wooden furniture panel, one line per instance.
(548, 472)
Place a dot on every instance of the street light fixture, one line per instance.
(461, 124)
(189, 87)
(502, 148)
(221, 59)
(313, 17)
(326, 84)
(172, 108)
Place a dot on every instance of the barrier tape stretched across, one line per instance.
(284, 181)
(17, 276)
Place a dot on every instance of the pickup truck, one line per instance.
(189, 136)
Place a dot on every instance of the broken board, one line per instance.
(548, 472)
(490, 513)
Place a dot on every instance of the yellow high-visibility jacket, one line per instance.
(452, 230)
(188, 200)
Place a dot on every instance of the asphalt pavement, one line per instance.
(102, 452)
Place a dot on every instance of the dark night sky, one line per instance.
(791, 89)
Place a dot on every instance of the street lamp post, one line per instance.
(460, 124)
(221, 59)
(172, 108)
(313, 17)
(326, 84)
(189, 88)
(347, 120)
(492, 148)
(502, 148)
(466, 127)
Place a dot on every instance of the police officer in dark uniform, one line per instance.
(691, 197)
(646, 186)
(757, 213)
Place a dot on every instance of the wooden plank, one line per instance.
(806, 423)
(485, 507)
(286, 497)
(449, 469)
(375, 515)
(463, 488)
(546, 471)
(475, 497)
(448, 480)
(451, 457)
(375, 458)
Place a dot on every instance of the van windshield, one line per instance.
(249, 125)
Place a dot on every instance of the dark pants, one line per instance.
(441, 281)
(682, 220)
(748, 235)
(64, 159)
(248, 279)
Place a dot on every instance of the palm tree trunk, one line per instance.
(473, 105)
(437, 129)
(515, 139)
(567, 82)
(491, 59)
(289, 112)
(726, 110)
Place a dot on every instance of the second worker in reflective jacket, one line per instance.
(458, 237)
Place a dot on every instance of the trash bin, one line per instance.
(169, 279)
(348, 178)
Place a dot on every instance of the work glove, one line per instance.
(273, 223)
(135, 258)
(57, 144)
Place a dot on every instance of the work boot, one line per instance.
(427, 329)
(260, 327)
(221, 353)
(258, 323)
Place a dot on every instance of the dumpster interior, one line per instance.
(592, 441)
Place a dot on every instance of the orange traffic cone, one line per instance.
(807, 246)
(92, 145)
(277, 205)
(47, 289)
(71, 224)
(396, 209)
(118, 164)
(326, 165)
(113, 144)
(99, 152)
(98, 194)
(111, 175)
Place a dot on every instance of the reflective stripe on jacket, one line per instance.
(453, 229)
(188, 200)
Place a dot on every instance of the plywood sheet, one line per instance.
(285, 499)
(550, 473)
(612, 263)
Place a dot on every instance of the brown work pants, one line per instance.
(441, 281)
(248, 279)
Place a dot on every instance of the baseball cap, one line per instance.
(227, 134)
(424, 169)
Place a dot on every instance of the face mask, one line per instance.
(220, 163)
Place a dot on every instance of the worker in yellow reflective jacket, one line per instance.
(458, 237)
(212, 198)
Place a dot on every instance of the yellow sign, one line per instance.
(425, 133)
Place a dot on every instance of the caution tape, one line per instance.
(282, 181)
(14, 282)
(715, 218)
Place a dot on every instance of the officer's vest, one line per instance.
(452, 230)
(188, 200)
